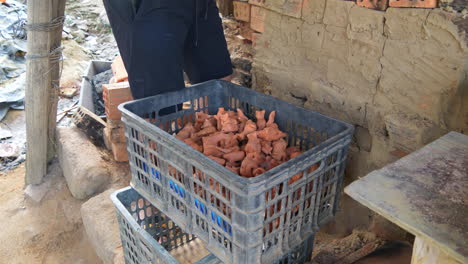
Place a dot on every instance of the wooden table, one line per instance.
(425, 193)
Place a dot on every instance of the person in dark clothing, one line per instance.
(160, 39)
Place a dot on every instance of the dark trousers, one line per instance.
(160, 39)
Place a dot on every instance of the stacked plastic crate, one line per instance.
(264, 219)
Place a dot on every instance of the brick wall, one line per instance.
(399, 75)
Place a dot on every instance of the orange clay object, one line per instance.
(271, 119)
(242, 120)
(218, 160)
(234, 156)
(313, 168)
(200, 118)
(118, 68)
(266, 147)
(279, 150)
(247, 166)
(234, 169)
(229, 124)
(228, 150)
(193, 144)
(258, 171)
(186, 132)
(221, 112)
(291, 150)
(258, 157)
(206, 131)
(261, 123)
(215, 139)
(212, 151)
(253, 145)
(271, 133)
(249, 127)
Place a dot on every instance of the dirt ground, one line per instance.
(51, 231)
(45, 232)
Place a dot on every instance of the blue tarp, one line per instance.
(12, 51)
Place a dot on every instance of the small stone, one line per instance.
(85, 172)
(9, 150)
(68, 92)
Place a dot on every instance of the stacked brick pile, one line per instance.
(114, 94)
(252, 17)
(252, 12)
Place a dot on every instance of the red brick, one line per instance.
(114, 95)
(257, 18)
(115, 135)
(118, 68)
(373, 4)
(119, 150)
(241, 11)
(257, 2)
(245, 30)
(414, 3)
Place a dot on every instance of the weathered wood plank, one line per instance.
(425, 193)
(426, 253)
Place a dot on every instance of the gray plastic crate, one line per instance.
(242, 220)
(147, 234)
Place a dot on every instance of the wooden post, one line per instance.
(58, 7)
(38, 85)
(425, 252)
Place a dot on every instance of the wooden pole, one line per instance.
(38, 85)
(58, 7)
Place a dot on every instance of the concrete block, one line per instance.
(85, 172)
(313, 11)
(102, 227)
(405, 24)
(414, 3)
(337, 13)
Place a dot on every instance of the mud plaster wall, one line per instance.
(400, 76)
